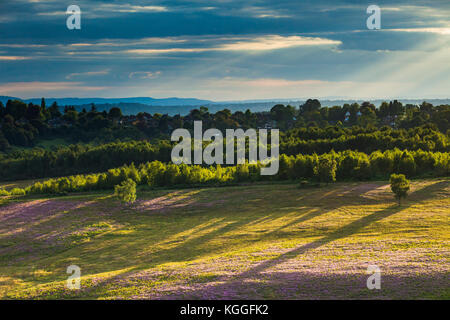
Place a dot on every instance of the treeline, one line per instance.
(23, 125)
(76, 159)
(330, 167)
(333, 132)
(338, 139)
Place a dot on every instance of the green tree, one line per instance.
(17, 192)
(326, 169)
(16, 108)
(54, 110)
(407, 164)
(281, 113)
(396, 108)
(115, 113)
(399, 186)
(33, 112)
(126, 191)
(384, 110)
(310, 105)
(42, 104)
(71, 116)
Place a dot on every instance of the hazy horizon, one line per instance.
(215, 101)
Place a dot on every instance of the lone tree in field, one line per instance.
(126, 191)
(399, 186)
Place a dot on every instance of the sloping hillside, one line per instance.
(249, 242)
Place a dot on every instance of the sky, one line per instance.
(225, 50)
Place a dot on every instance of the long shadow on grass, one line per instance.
(346, 231)
(300, 285)
(316, 212)
(192, 248)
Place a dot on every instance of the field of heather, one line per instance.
(248, 242)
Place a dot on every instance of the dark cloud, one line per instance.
(190, 41)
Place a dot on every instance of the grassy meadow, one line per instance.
(261, 241)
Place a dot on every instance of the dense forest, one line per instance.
(23, 125)
(316, 143)
(326, 168)
(75, 159)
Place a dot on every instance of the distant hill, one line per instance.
(139, 100)
(182, 106)
(135, 108)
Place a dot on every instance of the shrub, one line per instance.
(17, 192)
(3, 192)
(326, 169)
(126, 191)
(399, 186)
